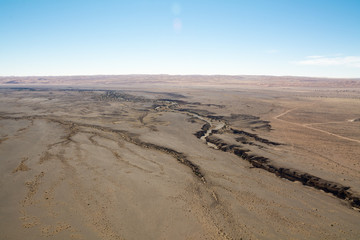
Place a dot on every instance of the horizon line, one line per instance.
(184, 75)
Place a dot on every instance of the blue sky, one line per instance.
(256, 37)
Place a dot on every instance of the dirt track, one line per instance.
(312, 128)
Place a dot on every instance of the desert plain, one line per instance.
(179, 157)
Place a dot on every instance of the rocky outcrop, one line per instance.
(254, 136)
(203, 130)
(180, 157)
(338, 190)
(252, 122)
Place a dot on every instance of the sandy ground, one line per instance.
(125, 163)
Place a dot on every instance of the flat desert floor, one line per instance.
(193, 157)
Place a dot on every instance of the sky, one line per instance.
(317, 38)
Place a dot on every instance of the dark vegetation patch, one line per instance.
(120, 96)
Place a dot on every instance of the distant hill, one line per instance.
(184, 80)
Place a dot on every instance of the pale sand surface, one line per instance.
(126, 164)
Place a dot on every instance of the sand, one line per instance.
(159, 161)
